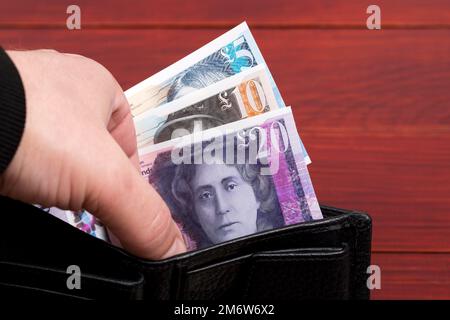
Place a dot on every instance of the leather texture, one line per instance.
(324, 259)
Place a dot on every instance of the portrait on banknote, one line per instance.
(233, 189)
(217, 202)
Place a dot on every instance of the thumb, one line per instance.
(130, 207)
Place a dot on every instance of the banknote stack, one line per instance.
(220, 146)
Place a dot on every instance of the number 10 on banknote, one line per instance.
(243, 95)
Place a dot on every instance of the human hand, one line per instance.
(78, 151)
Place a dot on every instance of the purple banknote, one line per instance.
(233, 180)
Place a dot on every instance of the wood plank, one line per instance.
(413, 276)
(262, 13)
(372, 109)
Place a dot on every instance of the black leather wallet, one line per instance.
(323, 259)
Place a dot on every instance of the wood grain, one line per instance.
(217, 13)
(413, 276)
(360, 78)
(399, 178)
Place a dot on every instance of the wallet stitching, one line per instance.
(304, 259)
(48, 291)
(102, 283)
(37, 269)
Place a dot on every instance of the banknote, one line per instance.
(81, 220)
(243, 95)
(231, 181)
(230, 54)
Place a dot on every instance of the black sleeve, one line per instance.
(12, 110)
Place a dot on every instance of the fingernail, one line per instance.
(177, 247)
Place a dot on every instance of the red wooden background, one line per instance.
(372, 107)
